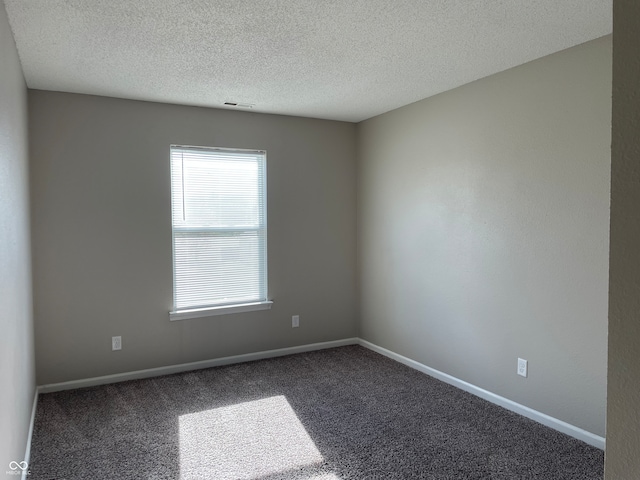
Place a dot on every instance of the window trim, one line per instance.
(223, 309)
(219, 310)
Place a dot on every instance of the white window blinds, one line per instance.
(218, 200)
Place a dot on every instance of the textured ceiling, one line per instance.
(337, 59)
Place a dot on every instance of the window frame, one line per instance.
(220, 308)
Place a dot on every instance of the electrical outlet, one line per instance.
(295, 321)
(522, 367)
(116, 343)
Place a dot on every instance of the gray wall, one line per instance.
(483, 219)
(16, 325)
(623, 407)
(102, 233)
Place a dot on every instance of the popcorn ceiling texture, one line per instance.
(336, 60)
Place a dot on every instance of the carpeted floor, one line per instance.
(338, 414)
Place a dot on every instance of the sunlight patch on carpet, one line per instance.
(245, 441)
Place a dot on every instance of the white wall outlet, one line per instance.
(295, 321)
(116, 343)
(522, 367)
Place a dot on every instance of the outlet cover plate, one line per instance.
(295, 321)
(116, 343)
(522, 367)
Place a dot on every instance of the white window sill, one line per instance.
(223, 310)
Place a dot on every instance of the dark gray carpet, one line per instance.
(338, 414)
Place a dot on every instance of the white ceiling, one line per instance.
(337, 59)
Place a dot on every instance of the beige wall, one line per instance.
(102, 233)
(623, 407)
(483, 219)
(16, 356)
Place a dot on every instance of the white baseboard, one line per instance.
(185, 367)
(564, 427)
(27, 452)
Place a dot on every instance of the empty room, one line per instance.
(311, 240)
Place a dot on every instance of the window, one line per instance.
(218, 203)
